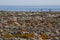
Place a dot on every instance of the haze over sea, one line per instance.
(29, 8)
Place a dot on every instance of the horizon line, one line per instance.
(29, 5)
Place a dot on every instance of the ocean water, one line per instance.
(29, 8)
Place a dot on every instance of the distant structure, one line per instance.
(30, 10)
(41, 10)
(49, 10)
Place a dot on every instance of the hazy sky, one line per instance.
(29, 2)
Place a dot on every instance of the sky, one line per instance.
(30, 2)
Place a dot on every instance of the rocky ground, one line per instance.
(30, 25)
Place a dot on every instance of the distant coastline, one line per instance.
(30, 8)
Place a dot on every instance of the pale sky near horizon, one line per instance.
(29, 2)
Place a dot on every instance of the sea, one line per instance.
(29, 8)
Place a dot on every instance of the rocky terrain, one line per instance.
(29, 25)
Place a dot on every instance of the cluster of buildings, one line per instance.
(29, 25)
